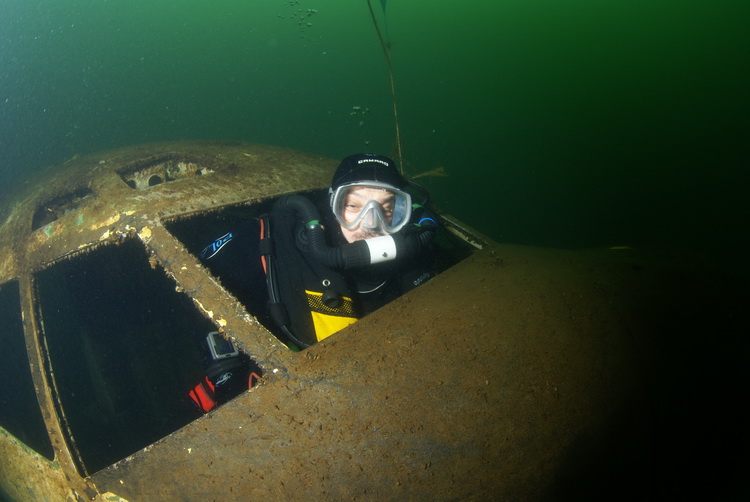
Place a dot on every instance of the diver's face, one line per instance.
(356, 202)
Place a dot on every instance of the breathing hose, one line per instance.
(406, 243)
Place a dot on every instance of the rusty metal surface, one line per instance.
(233, 173)
(25, 475)
(481, 383)
(515, 374)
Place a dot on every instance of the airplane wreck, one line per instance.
(518, 373)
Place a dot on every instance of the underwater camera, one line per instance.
(220, 347)
(228, 373)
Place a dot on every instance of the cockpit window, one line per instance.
(19, 409)
(130, 358)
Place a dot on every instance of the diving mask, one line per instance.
(372, 205)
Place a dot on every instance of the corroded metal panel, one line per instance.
(477, 384)
(25, 475)
(89, 199)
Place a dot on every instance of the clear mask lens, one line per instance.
(371, 205)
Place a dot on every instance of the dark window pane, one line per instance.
(19, 409)
(125, 349)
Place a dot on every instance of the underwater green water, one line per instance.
(560, 123)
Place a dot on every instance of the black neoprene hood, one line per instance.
(367, 167)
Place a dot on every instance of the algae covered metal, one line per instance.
(508, 375)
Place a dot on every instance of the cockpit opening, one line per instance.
(126, 353)
(235, 244)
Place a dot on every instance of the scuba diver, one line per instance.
(315, 263)
(329, 257)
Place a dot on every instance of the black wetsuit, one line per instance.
(299, 278)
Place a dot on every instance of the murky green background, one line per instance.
(563, 123)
